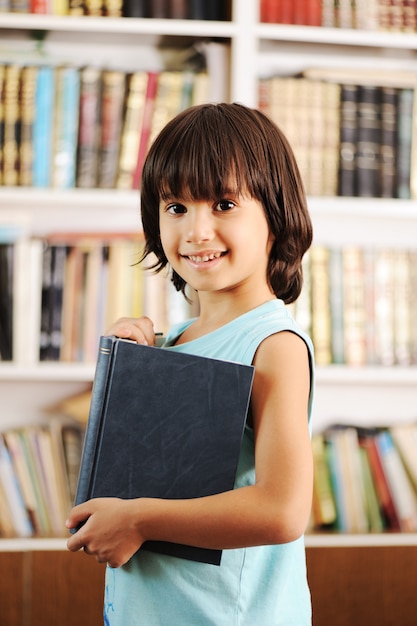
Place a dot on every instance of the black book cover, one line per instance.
(348, 138)
(368, 141)
(389, 98)
(163, 424)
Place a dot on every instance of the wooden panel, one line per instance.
(363, 586)
(13, 588)
(67, 589)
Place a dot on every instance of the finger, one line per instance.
(139, 329)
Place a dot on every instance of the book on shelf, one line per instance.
(89, 127)
(2, 90)
(6, 301)
(19, 515)
(27, 115)
(320, 304)
(369, 475)
(65, 131)
(389, 107)
(354, 321)
(135, 8)
(112, 108)
(144, 439)
(404, 142)
(43, 127)
(144, 142)
(132, 129)
(39, 471)
(12, 122)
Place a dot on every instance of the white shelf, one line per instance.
(134, 26)
(47, 372)
(329, 375)
(336, 36)
(42, 211)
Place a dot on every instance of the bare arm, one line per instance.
(274, 510)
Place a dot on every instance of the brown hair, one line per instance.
(196, 155)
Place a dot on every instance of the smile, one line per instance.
(196, 258)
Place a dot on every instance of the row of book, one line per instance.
(39, 468)
(86, 127)
(365, 479)
(359, 305)
(161, 9)
(59, 295)
(385, 15)
(350, 138)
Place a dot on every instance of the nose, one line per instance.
(199, 224)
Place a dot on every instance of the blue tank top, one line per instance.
(266, 585)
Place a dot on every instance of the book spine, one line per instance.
(348, 136)
(151, 90)
(2, 92)
(132, 129)
(354, 306)
(320, 303)
(93, 425)
(389, 98)
(404, 139)
(89, 127)
(135, 8)
(66, 127)
(43, 127)
(368, 142)
(6, 301)
(27, 108)
(12, 123)
(113, 99)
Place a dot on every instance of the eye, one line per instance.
(176, 209)
(225, 205)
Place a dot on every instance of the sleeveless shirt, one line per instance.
(256, 586)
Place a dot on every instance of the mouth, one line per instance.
(199, 259)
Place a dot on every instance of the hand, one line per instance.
(139, 329)
(110, 532)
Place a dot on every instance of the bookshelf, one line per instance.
(368, 395)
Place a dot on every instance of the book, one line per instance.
(12, 490)
(320, 304)
(112, 107)
(2, 91)
(404, 142)
(403, 494)
(389, 98)
(405, 440)
(135, 8)
(368, 142)
(163, 424)
(354, 306)
(6, 301)
(67, 96)
(148, 111)
(27, 115)
(348, 140)
(368, 442)
(324, 508)
(88, 127)
(43, 127)
(132, 128)
(12, 123)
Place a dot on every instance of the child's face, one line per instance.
(217, 245)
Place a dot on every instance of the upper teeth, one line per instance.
(206, 257)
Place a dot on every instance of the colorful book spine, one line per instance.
(12, 123)
(65, 127)
(43, 127)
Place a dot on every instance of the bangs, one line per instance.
(205, 157)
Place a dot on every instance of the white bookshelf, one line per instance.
(365, 395)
